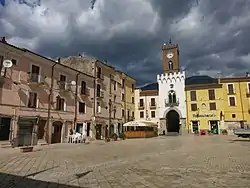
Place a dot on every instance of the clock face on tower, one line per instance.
(170, 55)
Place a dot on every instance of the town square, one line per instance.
(187, 161)
(135, 93)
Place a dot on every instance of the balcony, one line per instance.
(130, 118)
(35, 79)
(231, 92)
(100, 77)
(171, 103)
(152, 105)
(100, 94)
(84, 92)
(64, 86)
(141, 106)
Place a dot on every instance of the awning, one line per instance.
(140, 124)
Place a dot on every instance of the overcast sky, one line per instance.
(213, 35)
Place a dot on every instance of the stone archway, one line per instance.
(173, 122)
(57, 132)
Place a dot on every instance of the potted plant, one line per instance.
(122, 136)
(224, 132)
(209, 132)
(107, 139)
(196, 132)
(114, 136)
(25, 149)
(203, 132)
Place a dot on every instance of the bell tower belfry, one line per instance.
(170, 57)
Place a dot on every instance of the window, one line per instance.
(98, 90)
(248, 88)
(141, 114)
(230, 88)
(123, 113)
(194, 107)
(233, 115)
(123, 83)
(3, 70)
(32, 103)
(212, 106)
(152, 101)
(133, 87)
(114, 98)
(170, 65)
(133, 100)
(99, 72)
(211, 94)
(172, 97)
(123, 97)
(82, 107)
(98, 107)
(62, 82)
(128, 115)
(133, 114)
(14, 62)
(83, 88)
(152, 114)
(141, 103)
(232, 101)
(115, 85)
(193, 95)
(35, 72)
(60, 104)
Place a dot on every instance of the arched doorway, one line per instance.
(56, 132)
(173, 121)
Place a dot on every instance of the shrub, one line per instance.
(122, 136)
(114, 135)
(224, 131)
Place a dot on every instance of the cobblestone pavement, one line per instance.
(184, 161)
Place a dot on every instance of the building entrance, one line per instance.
(173, 122)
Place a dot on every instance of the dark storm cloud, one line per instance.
(213, 35)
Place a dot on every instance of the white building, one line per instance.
(168, 93)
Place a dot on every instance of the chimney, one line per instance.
(3, 39)
(58, 60)
(247, 74)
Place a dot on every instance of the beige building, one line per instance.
(42, 99)
(147, 104)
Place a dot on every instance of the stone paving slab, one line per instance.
(184, 161)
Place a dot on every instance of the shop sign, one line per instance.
(203, 115)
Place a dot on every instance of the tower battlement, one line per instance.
(170, 77)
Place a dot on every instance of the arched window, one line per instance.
(172, 97)
(170, 65)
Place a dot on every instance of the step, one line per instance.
(172, 134)
(42, 142)
(5, 144)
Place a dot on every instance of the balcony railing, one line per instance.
(171, 103)
(100, 76)
(131, 118)
(100, 94)
(84, 91)
(230, 92)
(152, 105)
(141, 106)
(34, 78)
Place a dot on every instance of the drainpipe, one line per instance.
(47, 137)
(187, 120)
(94, 105)
(76, 96)
(242, 109)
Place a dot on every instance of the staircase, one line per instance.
(172, 134)
(5, 144)
(42, 142)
